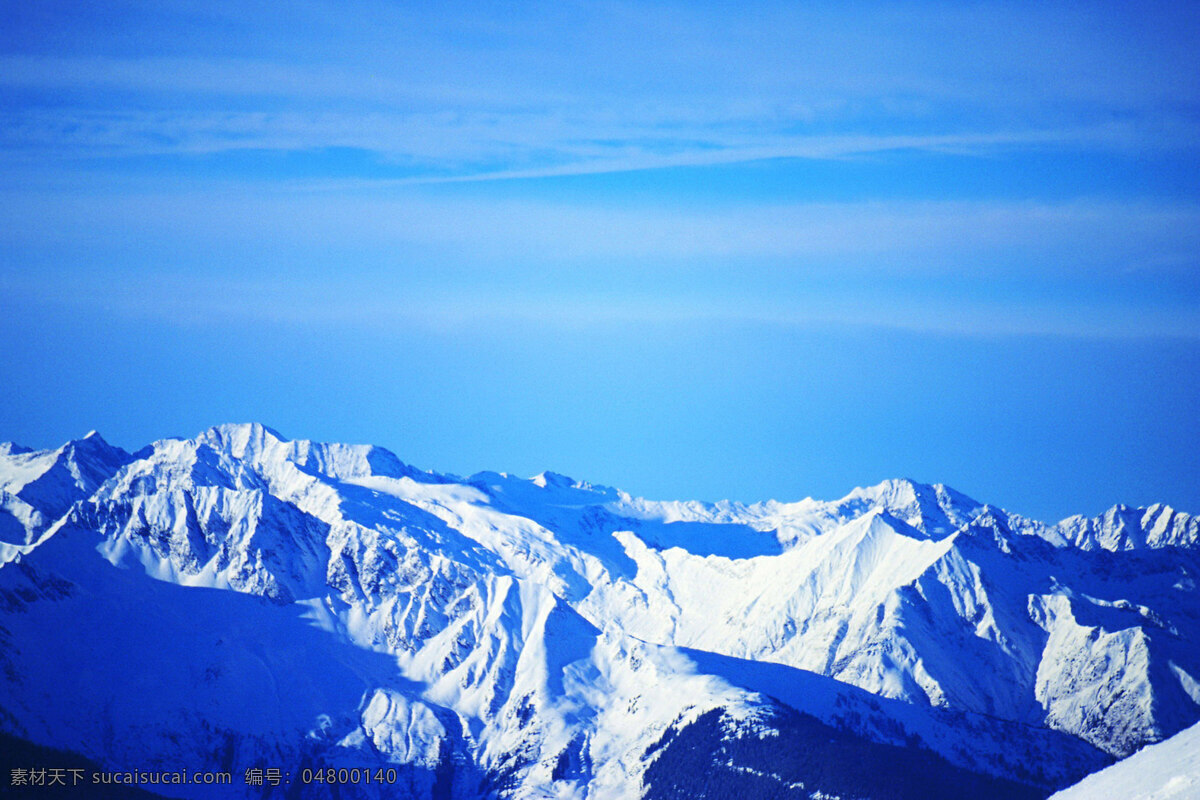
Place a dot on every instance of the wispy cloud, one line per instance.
(426, 96)
(449, 147)
(578, 89)
(1072, 268)
(926, 237)
(184, 301)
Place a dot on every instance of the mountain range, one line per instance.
(239, 601)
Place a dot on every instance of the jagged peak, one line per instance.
(238, 436)
(931, 508)
(992, 524)
(948, 494)
(1124, 527)
(889, 487)
(900, 491)
(92, 442)
(991, 515)
(548, 478)
(14, 449)
(1124, 512)
(261, 445)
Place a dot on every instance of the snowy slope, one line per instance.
(1168, 770)
(293, 602)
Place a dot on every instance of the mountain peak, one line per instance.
(547, 479)
(934, 509)
(94, 444)
(1126, 528)
(894, 491)
(237, 436)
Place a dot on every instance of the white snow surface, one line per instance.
(305, 595)
(1168, 770)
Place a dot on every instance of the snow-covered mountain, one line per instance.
(239, 601)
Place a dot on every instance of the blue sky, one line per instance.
(682, 249)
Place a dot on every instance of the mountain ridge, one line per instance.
(543, 634)
(947, 497)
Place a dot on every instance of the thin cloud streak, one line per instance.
(799, 147)
(184, 301)
(486, 237)
(1044, 55)
(462, 147)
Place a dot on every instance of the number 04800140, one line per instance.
(343, 775)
